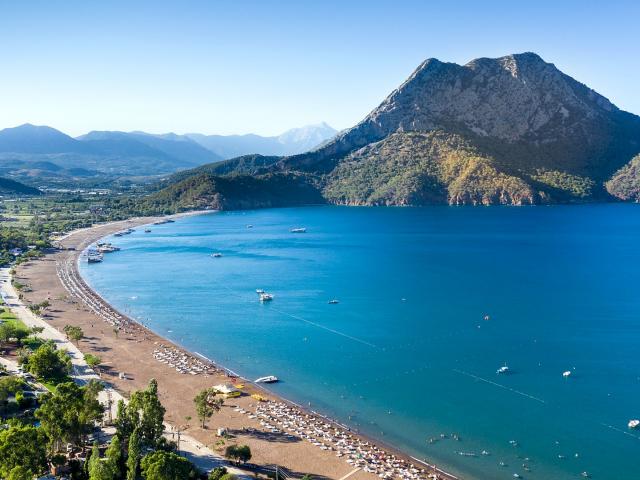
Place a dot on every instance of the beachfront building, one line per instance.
(227, 390)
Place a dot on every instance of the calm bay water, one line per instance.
(407, 355)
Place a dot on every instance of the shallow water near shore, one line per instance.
(407, 355)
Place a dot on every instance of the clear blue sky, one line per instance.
(238, 66)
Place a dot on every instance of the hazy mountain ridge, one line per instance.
(25, 149)
(291, 142)
(510, 130)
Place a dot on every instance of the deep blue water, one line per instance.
(406, 355)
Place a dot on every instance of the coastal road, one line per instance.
(198, 453)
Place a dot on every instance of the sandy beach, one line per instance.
(277, 432)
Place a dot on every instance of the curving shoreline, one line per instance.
(370, 456)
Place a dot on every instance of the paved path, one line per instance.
(195, 451)
(350, 473)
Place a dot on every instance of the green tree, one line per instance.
(48, 363)
(9, 386)
(228, 476)
(207, 404)
(147, 413)
(244, 453)
(73, 333)
(133, 458)
(163, 465)
(20, 472)
(37, 330)
(92, 360)
(124, 421)
(20, 333)
(99, 469)
(238, 453)
(114, 457)
(217, 473)
(9, 331)
(22, 446)
(70, 413)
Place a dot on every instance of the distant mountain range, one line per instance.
(291, 142)
(512, 130)
(35, 152)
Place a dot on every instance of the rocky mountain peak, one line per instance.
(514, 98)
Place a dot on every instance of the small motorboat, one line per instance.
(216, 255)
(259, 291)
(106, 248)
(566, 374)
(298, 230)
(267, 379)
(503, 369)
(266, 297)
(333, 302)
(147, 231)
(634, 423)
(94, 258)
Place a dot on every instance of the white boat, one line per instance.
(266, 297)
(634, 423)
(216, 255)
(259, 290)
(267, 379)
(333, 302)
(566, 374)
(298, 230)
(107, 248)
(94, 256)
(503, 369)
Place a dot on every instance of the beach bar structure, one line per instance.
(228, 390)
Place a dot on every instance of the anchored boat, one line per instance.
(266, 297)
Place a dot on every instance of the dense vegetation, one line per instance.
(233, 192)
(54, 431)
(12, 187)
(20, 239)
(625, 184)
(29, 222)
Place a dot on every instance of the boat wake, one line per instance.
(619, 430)
(297, 317)
(496, 384)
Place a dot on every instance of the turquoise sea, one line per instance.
(407, 353)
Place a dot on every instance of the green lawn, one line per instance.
(9, 317)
